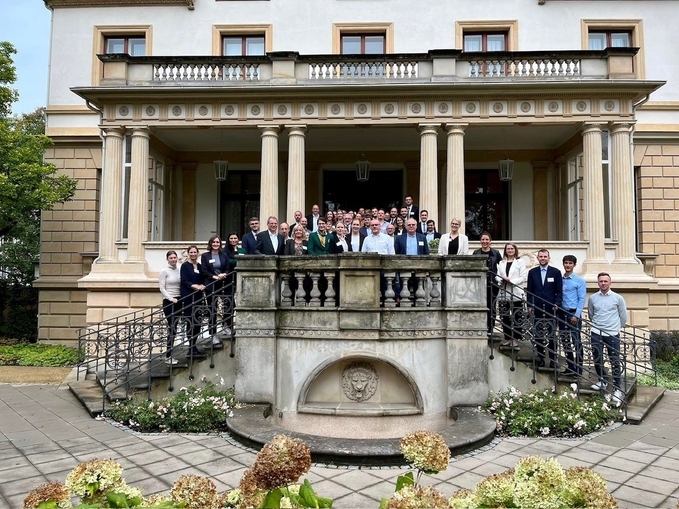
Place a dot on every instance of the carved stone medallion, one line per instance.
(335, 109)
(362, 109)
(443, 108)
(309, 109)
(359, 381)
(525, 106)
(150, 111)
(498, 107)
(255, 110)
(229, 110)
(609, 105)
(581, 105)
(553, 106)
(389, 109)
(124, 111)
(282, 109)
(471, 107)
(416, 108)
(202, 111)
(176, 111)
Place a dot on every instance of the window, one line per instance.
(242, 45)
(134, 46)
(485, 41)
(609, 39)
(606, 177)
(363, 44)
(127, 174)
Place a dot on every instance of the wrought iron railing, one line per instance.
(530, 336)
(126, 352)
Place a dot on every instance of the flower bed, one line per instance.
(543, 413)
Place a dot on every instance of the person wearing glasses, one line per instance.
(454, 243)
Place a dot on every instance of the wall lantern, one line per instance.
(506, 166)
(362, 169)
(221, 169)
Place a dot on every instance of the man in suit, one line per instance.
(412, 209)
(312, 219)
(298, 219)
(545, 291)
(271, 242)
(356, 237)
(431, 232)
(422, 225)
(250, 239)
(412, 243)
(319, 241)
(393, 214)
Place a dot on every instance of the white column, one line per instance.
(111, 193)
(137, 218)
(268, 204)
(455, 206)
(594, 195)
(623, 193)
(428, 170)
(296, 168)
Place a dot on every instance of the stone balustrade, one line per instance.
(433, 66)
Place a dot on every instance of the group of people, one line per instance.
(555, 303)
(190, 291)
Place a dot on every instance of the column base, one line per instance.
(107, 273)
(621, 270)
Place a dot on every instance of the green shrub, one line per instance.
(543, 413)
(666, 344)
(192, 410)
(668, 375)
(36, 354)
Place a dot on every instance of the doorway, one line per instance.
(239, 198)
(342, 190)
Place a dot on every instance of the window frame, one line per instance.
(244, 43)
(509, 27)
(104, 32)
(341, 29)
(484, 38)
(126, 43)
(363, 35)
(634, 26)
(219, 32)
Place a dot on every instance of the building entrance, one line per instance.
(342, 190)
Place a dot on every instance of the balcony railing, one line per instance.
(433, 66)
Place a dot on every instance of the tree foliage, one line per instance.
(27, 184)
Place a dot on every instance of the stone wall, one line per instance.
(69, 241)
(658, 226)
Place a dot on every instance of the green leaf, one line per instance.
(50, 504)
(324, 502)
(306, 492)
(404, 480)
(117, 500)
(383, 503)
(272, 500)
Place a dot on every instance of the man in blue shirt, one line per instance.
(573, 302)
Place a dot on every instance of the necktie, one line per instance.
(543, 273)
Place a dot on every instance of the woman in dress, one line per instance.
(215, 267)
(169, 281)
(511, 274)
(454, 243)
(192, 293)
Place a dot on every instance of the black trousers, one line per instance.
(172, 312)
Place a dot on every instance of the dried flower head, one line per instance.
(462, 499)
(92, 480)
(426, 451)
(417, 497)
(251, 495)
(585, 488)
(280, 462)
(196, 492)
(539, 483)
(156, 499)
(496, 490)
(54, 492)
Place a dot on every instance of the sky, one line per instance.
(26, 24)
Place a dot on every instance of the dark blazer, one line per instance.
(493, 257)
(333, 248)
(249, 243)
(189, 277)
(437, 235)
(544, 297)
(315, 247)
(208, 269)
(265, 247)
(310, 221)
(401, 243)
(420, 225)
(414, 212)
(364, 231)
(361, 238)
(289, 249)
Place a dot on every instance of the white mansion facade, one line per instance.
(144, 96)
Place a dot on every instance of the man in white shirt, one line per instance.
(377, 242)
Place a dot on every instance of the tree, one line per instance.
(27, 184)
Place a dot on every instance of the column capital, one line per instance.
(456, 128)
(269, 130)
(113, 132)
(617, 127)
(141, 131)
(296, 129)
(428, 128)
(592, 127)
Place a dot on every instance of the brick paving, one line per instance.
(45, 432)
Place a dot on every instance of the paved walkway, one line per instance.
(44, 433)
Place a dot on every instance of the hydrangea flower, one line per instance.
(417, 497)
(54, 492)
(426, 451)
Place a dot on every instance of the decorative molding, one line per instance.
(190, 4)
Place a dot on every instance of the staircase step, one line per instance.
(642, 402)
(90, 394)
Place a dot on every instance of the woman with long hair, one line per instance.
(169, 281)
(511, 274)
(192, 293)
(454, 243)
(215, 267)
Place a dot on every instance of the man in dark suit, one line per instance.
(270, 242)
(413, 210)
(545, 290)
(422, 225)
(312, 219)
(250, 239)
(431, 232)
(412, 243)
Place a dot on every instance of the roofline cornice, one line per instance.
(52, 4)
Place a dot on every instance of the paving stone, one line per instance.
(629, 497)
